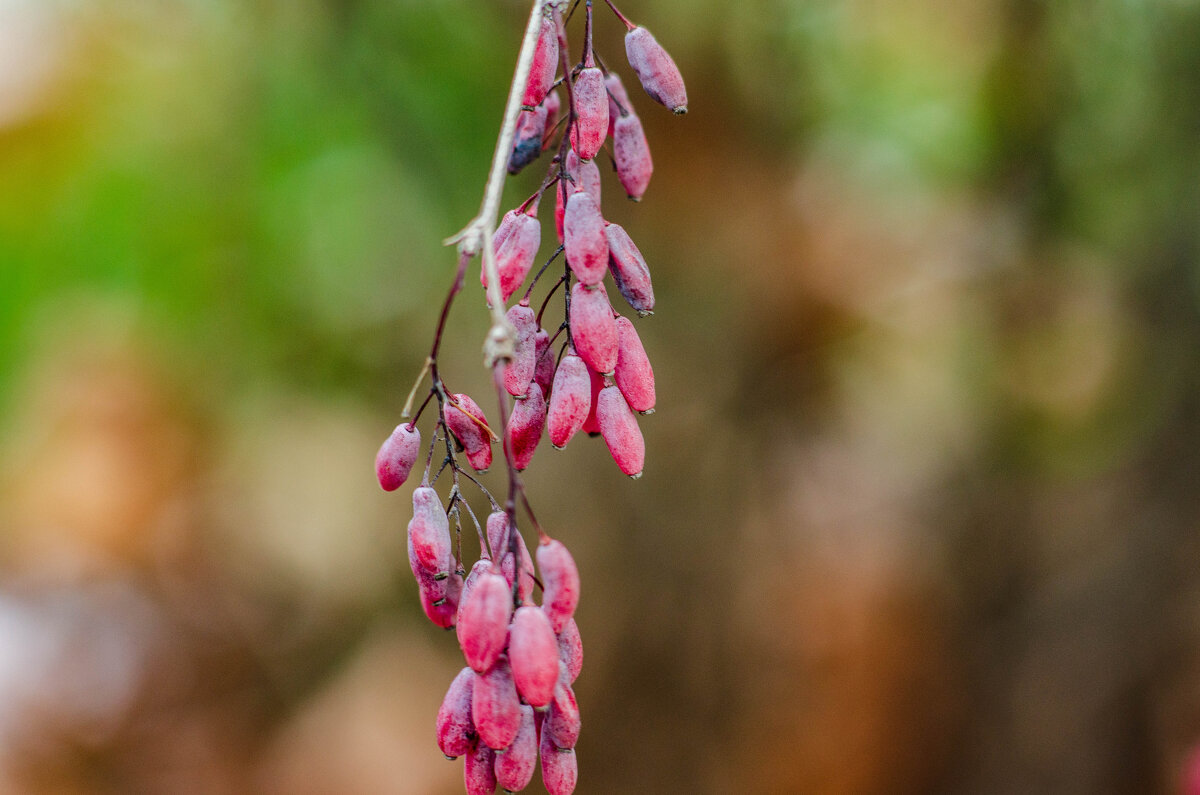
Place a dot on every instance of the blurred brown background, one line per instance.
(921, 510)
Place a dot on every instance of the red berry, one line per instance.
(584, 239)
(483, 619)
(591, 426)
(515, 764)
(562, 721)
(495, 706)
(544, 66)
(455, 729)
(553, 108)
(631, 153)
(396, 456)
(515, 250)
(593, 329)
(525, 426)
(533, 655)
(658, 73)
(618, 100)
(586, 175)
(429, 533)
(478, 773)
(633, 373)
(543, 368)
(629, 270)
(570, 650)
(570, 400)
(527, 138)
(560, 767)
(519, 372)
(560, 582)
(591, 113)
(440, 598)
(620, 430)
(497, 523)
(470, 434)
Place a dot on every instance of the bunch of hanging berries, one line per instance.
(513, 703)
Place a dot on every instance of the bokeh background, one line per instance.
(921, 512)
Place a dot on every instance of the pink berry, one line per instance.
(561, 191)
(543, 368)
(505, 228)
(620, 430)
(560, 582)
(586, 175)
(495, 706)
(658, 73)
(570, 400)
(429, 533)
(591, 113)
(544, 66)
(397, 455)
(562, 721)
(584, 239)
(469, 433)
(618, 100)
(533, 655)
(440, 598)
(479, 774)
(631, 153)
(629, 270)
(519, 372)
(553, 108)
(515, 251)
(633, 373)
(591, 426)
(515, 764)
(525, 427)
(570, 650)
(455, 729)
(527, 138)
(593, 329)
(483, 617)
(560, 767)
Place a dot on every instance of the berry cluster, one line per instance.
(513, 703)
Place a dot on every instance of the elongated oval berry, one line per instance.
(570, 650)
(553, 108)
(562, 721)
(525, 589)
(655, 69)
(560, 583)
(620, 430)
(629, 270)
(455, 728)
(475, 440)
(570, 400)
(561, 191)
(525, 426)
(544, 66)
(515, 764)
(480, 568)
(439, 598)
(631, 153)
(591, 113)
(519, 372)
(586, 175)
(397, 455)
(429, 533)
(584, 239)
(483, 619)
(593, 329)
(618, 100)
(633, 374)
(479, 774)
(497, 533)
(515, 258)
(560, 767)
(543, 368)
(527, 138)
(507, 223)
(495, 706)
(533, 655)
(591, 426)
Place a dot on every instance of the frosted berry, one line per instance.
(429, 533)
(527, 138)
(618, 100)
(479, 774)
(620, 430)
(483, 619)
(631, 153)
(560, 767)
(396, 456)
(562, 721)
(629, 270)
(591, 113)
(544, 66)
(586, 175)
(525, 427)
(495, 706)
(570, 400)
(655, 69)
(515, 251)
(497, 524)
(455, 729)
(470, 434)
(440, 598)
(570, 650)
(633, 374)
(584, 239)
(515, 764)
(560, 582)
(519, 371)
(593, 330)
(543, 368)
(533, 655)
(553, 108)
